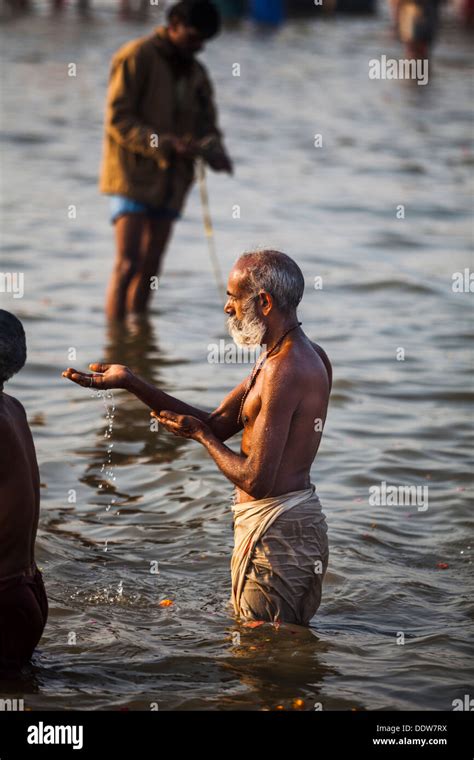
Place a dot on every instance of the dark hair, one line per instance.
(200, 14)
(12, 346)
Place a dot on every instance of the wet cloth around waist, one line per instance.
(280, 557)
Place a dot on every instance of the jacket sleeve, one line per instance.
(127, 77)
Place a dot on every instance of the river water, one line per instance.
(155, 523)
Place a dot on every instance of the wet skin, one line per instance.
(282, 417)
(19, 489)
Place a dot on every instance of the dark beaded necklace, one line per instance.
(258, 366)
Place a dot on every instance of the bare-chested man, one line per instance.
(281, 549)
(23, 602)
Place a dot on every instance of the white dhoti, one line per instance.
(280, 557)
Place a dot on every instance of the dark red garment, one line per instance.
(23, 616)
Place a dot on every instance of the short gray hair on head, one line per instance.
(277, 274)
(12, 346)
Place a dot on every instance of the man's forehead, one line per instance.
(237, 279)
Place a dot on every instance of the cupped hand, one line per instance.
(182, 425)
(103, 376)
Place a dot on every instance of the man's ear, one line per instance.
(266, 302)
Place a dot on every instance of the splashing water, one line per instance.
(107, 468)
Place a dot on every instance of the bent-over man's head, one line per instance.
(12, 346)
(190, 23)
(264, 288)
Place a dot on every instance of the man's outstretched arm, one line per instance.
(222, 421)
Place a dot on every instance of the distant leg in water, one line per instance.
(141, 242)
(416, 23)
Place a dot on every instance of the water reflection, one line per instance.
(280, 665)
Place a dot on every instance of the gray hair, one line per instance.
(12, 346)
(277, 274)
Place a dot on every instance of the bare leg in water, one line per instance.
(140, 243)
(154, 240)
(128, 235)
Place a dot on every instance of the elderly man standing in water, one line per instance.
(281, 548)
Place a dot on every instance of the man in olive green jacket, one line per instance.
(160, 117)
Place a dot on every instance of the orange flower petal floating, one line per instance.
(166, 603)
(442, 565)
(253, 623)
(298, 704)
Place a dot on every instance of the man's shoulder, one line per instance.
(202, 72)
(13, 402)
(282, 368)
(297, 366)
(12, 420)
(10, 406)
(142, 46)
(201, 67)
(321, 352)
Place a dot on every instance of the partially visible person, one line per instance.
(23, 601)
(465, 12)
(416, 25)
(160, 117)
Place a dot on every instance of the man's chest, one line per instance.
(169, 97)
(252, 404)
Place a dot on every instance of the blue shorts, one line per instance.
(120, 205)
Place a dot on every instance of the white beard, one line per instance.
(248, 331)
